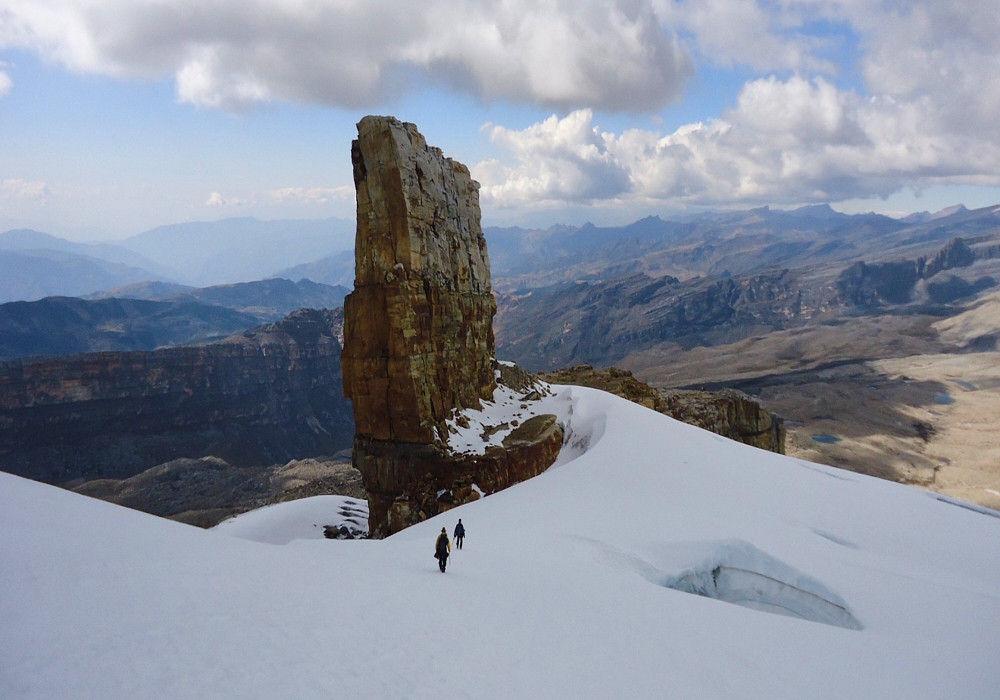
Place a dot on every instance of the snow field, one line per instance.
(304, 519)
(561, 590)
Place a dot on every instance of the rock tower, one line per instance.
(418, 331)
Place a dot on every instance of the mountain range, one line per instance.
(150, 315)
(612, 294)
(34, 265)
(718, 244)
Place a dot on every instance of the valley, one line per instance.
(845, 326)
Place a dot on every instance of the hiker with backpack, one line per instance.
(441, 549)
(459, 533)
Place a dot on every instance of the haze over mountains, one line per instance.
(567, 294)
(201, 254)
(34, 265)
(150, 315)
(240, 250)
(718, 244)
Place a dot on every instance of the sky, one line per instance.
(117, 116)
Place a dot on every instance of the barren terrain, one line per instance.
(890, 396)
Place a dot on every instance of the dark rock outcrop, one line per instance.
(955, 254)
(418, 333)
(729, 413)
(875, 284)
(259, 398)
(864, 284)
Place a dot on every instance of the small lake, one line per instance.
(826, 439)
(966, 385)
(944, 399)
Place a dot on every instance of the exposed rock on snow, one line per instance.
(418, 333)
(559, 591)
(729, 413)
(206, 491)
(313, 518)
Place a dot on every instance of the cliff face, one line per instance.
(419, 323)
(603, 322)
(729, 413)
(418, 333)
(265, 396)
(876, 284)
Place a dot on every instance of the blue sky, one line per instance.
(117, 116)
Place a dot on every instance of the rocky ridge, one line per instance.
(729, 413)
(418, 334)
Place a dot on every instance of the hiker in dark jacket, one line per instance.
(441, 549)
(459, 533)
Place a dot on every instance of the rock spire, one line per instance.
(418, 334)
(419, 339)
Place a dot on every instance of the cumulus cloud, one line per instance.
(945, 55)
(5, 82)
(786, 141)
(943, 52)
(312, 195)
(560, 159)
(612, 54)
(745, 32)
(24, 189)
(925, 114)
(217, 200)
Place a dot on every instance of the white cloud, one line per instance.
(786, 141)
(5, 82)
(217, 200)
(605, 53)
(313, 195)
(24, 189)
(745, 32)
(945, 52)
(560, 159)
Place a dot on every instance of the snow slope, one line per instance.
(304, 519)
(561, 590)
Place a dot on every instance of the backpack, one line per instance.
(442, 545)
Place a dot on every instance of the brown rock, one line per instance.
(408, 483)
(419, 324)
(418, 334)
(730, 413)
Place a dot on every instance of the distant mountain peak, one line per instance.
(817, 211)
(949, 211)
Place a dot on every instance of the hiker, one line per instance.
(441, 549)
(459, 533)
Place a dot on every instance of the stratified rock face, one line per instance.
(730, 413)
(419, 324)
(261, 397)
(418, 334)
